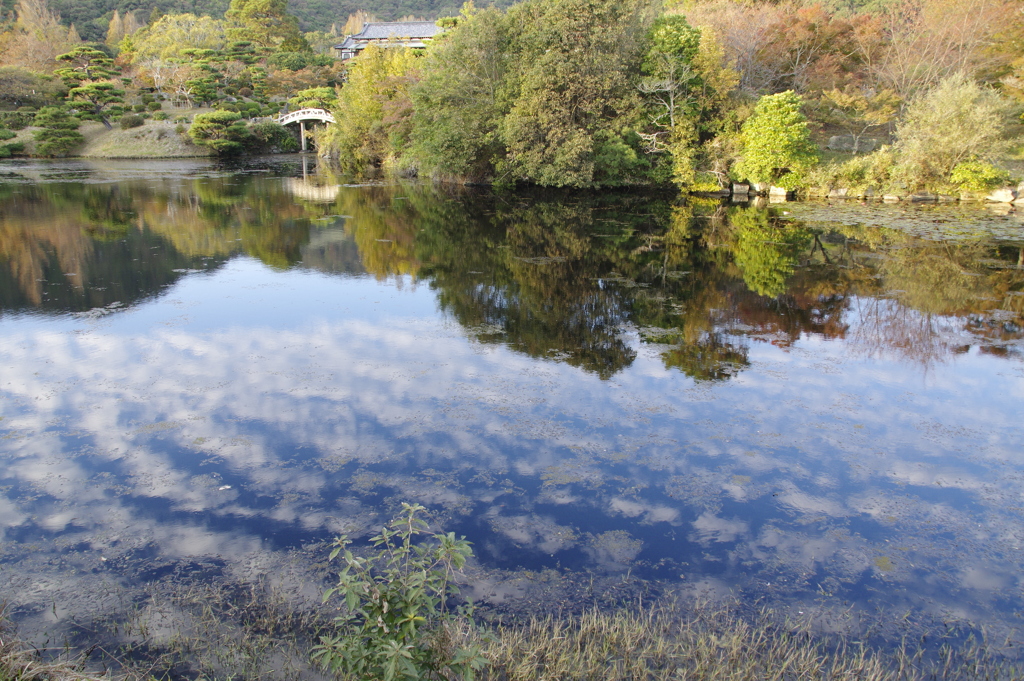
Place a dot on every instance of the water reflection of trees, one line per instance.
(563, 277)
(79, 247)
(68, 247)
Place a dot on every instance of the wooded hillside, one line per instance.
(91, 17)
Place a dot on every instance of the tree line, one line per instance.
(701, 93)
(91, 17)
(246, 66)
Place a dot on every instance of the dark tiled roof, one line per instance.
(384, 30)
(398, 29)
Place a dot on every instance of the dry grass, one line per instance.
(18, 663)
(710, 644)
(155, 139)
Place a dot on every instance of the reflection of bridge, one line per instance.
(309, 188)
(312, 192)
(301, 116)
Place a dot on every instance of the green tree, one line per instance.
(99, 97)
(172, 35)
(703, 129)
(777, 146)
(460, 100)
(574, 111)
(59, 134)
(203, 88)
(270, 138)
(668, 78)
(315, 98)
(19, 86)
(223, 131)
(266, 23)
(716, 80)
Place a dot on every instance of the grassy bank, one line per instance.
(249, 634)
(155, 139)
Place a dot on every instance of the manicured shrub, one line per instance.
(17, 120)
(130, 121)
(59, 135)
(6, 150)
(270, 138)
(223, 131)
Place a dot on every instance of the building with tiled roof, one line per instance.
(404, 33)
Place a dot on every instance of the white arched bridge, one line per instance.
(301, 116)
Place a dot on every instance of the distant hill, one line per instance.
(91, 17)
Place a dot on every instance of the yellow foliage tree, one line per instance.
(38, 37)
(171, 35)
(373, 110)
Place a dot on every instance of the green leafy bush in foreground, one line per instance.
(396, 624)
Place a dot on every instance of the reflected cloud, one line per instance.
(650, 513)
(714, 529)
(532, 531)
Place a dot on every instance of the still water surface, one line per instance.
(207, 372)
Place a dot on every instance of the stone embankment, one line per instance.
(1005, 195)
(743, 192)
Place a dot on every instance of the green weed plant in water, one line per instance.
(396, 624)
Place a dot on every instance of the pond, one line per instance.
(209, 372)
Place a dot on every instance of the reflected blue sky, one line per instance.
(249, 410)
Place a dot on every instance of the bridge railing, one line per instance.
(305, 115)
